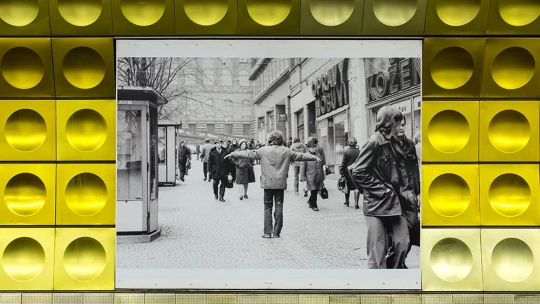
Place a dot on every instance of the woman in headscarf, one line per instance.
(313, 172)
(244, 171)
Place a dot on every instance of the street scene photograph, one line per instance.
(268, 163)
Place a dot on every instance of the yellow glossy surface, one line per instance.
(457, 17)
(83, 68)
(153, 11)
(268, 12)
(450, 195)
(394, 12)
(26, 258)
(451, 260)
(206, 12)
(457, 12)
(513, 68)
(519, 12)
(509, 195)
(510, 261)
(86, 130)
(80, 12)
(25, 194)
(86, 194)
(19, 12)
(85, 259)
(450, 130)
(509, 131)
(452, 68)
(331, 12)
(22, 68)
(25, 130)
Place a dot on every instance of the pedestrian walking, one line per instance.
(375, 171)
(198, 150)
(183, 154)
(223, 171)
(244, 171)
(299, 147)
(205, 154)
(188, 163)
(349, 157)
(313, 173)
(275, 163)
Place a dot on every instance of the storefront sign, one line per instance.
(331, 89)
(401, 75)
(282, 117)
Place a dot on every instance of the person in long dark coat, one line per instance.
(244, 171)
(299, 147)
(313, 172)
(183, 155)
(350, 155)
(222, 169)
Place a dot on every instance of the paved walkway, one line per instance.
(200, 232)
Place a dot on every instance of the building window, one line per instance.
(226, 78)
(244, 78)
(228, 109)
(211, 128)
(192, 128)
(228, 129)
(247, 130)
(247, 108)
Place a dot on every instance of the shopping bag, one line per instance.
(324, 193)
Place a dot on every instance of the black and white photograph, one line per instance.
(276, 164)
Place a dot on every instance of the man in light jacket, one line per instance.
(205, 154)
(299, 147)
(275, 162)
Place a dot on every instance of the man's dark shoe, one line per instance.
(216, 196)
(275, 235)
(221, 199)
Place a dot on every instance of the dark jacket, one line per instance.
(313, 172)
(183, 155)
(218, 165)
(300, 148)
(376, 172)
(349, 157)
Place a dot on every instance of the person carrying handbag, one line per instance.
(313, 173)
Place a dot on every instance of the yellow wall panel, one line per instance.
(509, 195)
(269, 17)
(511, 68)
(86, 194)
(24, 18)
(452, 67)
(143, 17)
(331, 17)
(26, 68)
(509, 131)
(514, 17)
(394, 17)
(27, 130)
(86, 130)
(27, 258)
(457, 17)
(450, 131)
(80, 18)
(84, 259)
(450, 195)
(84, 67)
(510, 259)
(27, 194)
(206, 17)
(451, 260)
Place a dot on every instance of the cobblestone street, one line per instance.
(200, 232)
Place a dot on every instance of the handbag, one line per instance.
(230, 183)
(327, 171)
(324, 193)
(342, 184)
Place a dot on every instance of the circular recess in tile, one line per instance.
(23, 259)
(86, 130)
(519, 12)
(268, 12)
(509, 131)
(153, 11)
(509, 195)
(451, 260)
(331, 12)
(452, 68)
(83, 68)
(25, 130)
(86, 194)
(448, 131)
(25, 194)
(84, 259)
(449, 195)
(457, 12)
(513, 68)
(394, 12)
(22, 68)
(19, 12)
(206, 12)
(80, 12)
(512, 260)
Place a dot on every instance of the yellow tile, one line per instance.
(452, 67)
(24, 18)
(282, 299)
(450, 130)
(26, 68)
(510, 259)
(330, 17)
(394, 17)
(80, 18)
(509, 195)
(407, 299)
(36, 298)
(451, 260)
(155, 298)
(10, 298)
(27, 258)
(143, 17)
(498, 298)
(511, 69)
(206, 17)
(86, 130)
(27, 194)
(437, 299)
(450, 195)
(67, 298)
(313, 299)
(344, 299)
(84, 67)
(375, 299)
(221, 299)
(268, 17)
(128, 298)
(468, 299)
(86, 194)
(191, 298)
(509, 131)
(27, 130)
(457, 17)
(98, 298)
(84, 259)
(514, 17)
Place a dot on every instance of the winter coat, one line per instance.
(244, 171)
(275, 162)
(183, 155)
(349, 157)
(205, 152)
(313, 172)
(218, 165)
(376, 172)
(300, 148)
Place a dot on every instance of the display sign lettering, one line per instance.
(401, 75)
(331, 89)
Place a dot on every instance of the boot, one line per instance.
(346, 203)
